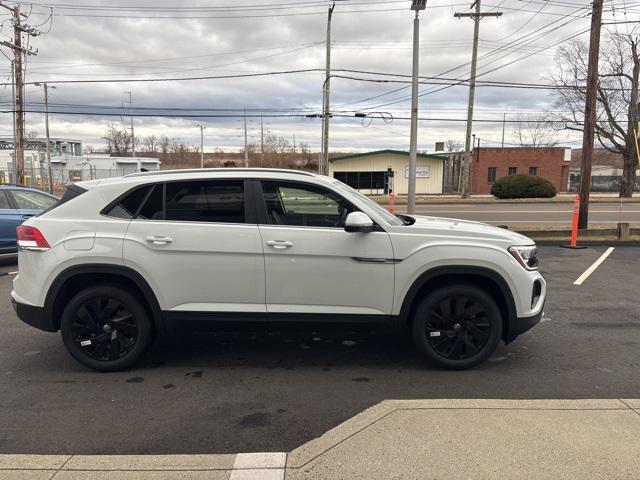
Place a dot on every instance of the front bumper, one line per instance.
(32, 315)
(522, 324)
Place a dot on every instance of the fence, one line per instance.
(600, 183)
(39, 177)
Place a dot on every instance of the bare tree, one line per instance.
(452, 145)
(150, 144)
(32, 135)
(534, 130)
(617, 96)
(118, 140)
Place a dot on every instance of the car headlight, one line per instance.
(527, 256)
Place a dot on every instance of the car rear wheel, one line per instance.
(106, 328)
(457, 327)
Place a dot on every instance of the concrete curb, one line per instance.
(268, 465)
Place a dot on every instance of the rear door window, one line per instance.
(206, 201)
(29, 200)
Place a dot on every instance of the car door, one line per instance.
(10, 218)
(312, 265)
(198, 245)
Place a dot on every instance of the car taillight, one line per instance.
(30, 238)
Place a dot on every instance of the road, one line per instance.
(533, 214)
(272, 392)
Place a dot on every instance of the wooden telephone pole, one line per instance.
(466, 163)
(590, 114)
(19, 51)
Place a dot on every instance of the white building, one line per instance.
(380, 171)
(68, 164)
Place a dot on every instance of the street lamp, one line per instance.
(46, 128)
(416, 5)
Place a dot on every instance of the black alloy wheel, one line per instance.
(457, 326)
(106, 328)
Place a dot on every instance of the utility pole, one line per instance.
(324, 160)
(202, 127)
(466, 166)
(416, 5)
(246, 152)
(19, 51)
(590, 114)
(504, 121)
(261, 141)
(46, 88)
(133, 137)
(13, 94)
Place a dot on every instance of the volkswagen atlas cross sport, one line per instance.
(120, 261)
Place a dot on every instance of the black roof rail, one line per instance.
(196, 170)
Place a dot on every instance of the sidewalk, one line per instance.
(406, 439)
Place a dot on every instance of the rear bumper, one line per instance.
(522, 324)
(32, 315)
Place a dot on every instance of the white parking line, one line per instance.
(593, 267)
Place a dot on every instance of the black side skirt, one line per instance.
(273, 321)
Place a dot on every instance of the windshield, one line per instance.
(389, 217)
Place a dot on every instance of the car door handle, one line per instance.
(279, 244)
(26, 216)
(159, 240)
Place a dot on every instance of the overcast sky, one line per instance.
(279, 35)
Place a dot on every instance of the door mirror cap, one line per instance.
(358, 222)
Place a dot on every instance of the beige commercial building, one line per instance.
(388, 170)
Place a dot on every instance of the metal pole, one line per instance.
(504, 121)
(261, 141)
(327, 93)
(201, 146)
(133, 137)
(413, 141)
(246, 152)
(46, 128)
(590, 114)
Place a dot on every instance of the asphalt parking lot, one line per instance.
(218, 393)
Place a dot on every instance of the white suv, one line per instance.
(119, 261)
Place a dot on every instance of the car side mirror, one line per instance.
(358, 222)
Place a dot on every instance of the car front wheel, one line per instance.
(457, 326)
(106, 328)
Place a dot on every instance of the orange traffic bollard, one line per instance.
(574, 225)
(392, 202)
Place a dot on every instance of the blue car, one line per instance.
(16, 205)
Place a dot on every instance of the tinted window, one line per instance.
(129, 205)
(304, 205)
(152, 208)
(28, 200)
(205, 201)
(4, 201)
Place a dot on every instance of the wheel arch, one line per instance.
(484, 278)
(66, 283)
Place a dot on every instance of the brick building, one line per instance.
(490, 164)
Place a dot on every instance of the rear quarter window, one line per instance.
(129, 205)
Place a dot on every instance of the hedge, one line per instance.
(523, 186)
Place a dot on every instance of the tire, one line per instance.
(106, 328)
(457, 327)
